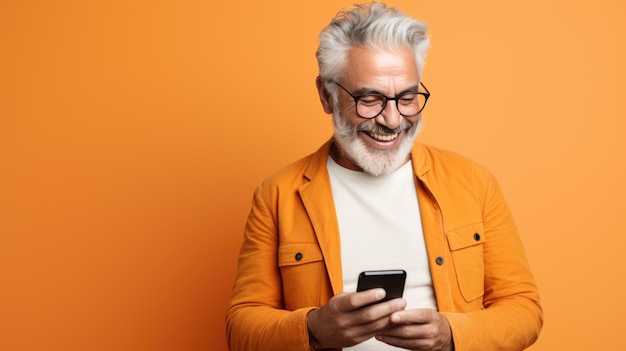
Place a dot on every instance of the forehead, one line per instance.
(373, 67)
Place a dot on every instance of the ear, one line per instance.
(325, 97)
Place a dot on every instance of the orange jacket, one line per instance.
(290, 258)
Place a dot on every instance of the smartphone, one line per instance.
(390, 280)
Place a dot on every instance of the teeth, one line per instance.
(383, 137)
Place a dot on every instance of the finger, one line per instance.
(421, 329)
(417, 316)
(353, 301)
(374, 319)
(409, 343)
(411, 331)
(378, 311)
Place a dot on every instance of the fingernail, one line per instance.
(401, 303)
(379, 293)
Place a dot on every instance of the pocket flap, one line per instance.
(290, 254)
(466, 236)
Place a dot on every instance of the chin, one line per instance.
(377, 162)
(373, 161)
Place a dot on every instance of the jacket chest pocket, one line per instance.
(302, 270)
(466, 248)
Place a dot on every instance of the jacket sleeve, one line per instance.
(256, 318)
(512, 317)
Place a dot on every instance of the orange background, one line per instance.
(133, 133)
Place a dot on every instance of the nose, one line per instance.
(390, 117)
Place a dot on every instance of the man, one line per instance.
(370, 199)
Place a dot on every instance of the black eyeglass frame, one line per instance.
(386, 98)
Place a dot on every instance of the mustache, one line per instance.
(373, 127)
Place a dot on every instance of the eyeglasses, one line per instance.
(409, 103)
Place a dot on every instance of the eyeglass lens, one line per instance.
(408, 104)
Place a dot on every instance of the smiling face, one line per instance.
(382, 144)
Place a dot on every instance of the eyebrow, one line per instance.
(372, 91)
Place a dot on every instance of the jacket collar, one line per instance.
(316, 194)
(422, 162)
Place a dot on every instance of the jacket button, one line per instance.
(439, 260)
(476, 236)
(298, 256)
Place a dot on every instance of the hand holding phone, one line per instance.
(390, 280)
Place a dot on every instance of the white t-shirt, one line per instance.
(380, 228)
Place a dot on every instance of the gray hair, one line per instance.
(373, 26)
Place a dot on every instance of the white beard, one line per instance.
(373, 161)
